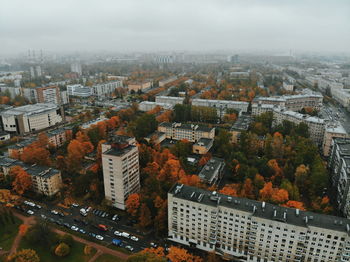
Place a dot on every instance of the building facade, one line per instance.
(222, 105)
(189, 132)
(121, 174)
(106, 89)
(246, 230)
(147, 106)
(136, 86)
(332, 131)
(29, 118)
(339, 166)
(79, 90)
(172, 100)
(212, 171)
(48, 94)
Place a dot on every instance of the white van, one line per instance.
(83, 212)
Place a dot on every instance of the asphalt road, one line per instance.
(93, 220)
(336, 113)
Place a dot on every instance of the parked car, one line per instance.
(75, 205)
(115, 217)
(82, 231)
(54, 212)
(99, 237)
(134, 238)
(102, 227)
(38, 206)
(66, 225)
(126, 235)
(92, 234)
(74, 228)
(130, 248)
(117, 233)
(154, 245)
(30, 212)
(117, 242)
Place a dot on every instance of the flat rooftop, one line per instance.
(206, 142)
(186, 126)
(30, 109)
(261, 209)
(211, 168)
(242, 123)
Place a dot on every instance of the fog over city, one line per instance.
(158, 25)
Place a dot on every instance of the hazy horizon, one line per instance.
(156, 26)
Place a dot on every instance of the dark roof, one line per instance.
(196, 127)
(261, 209)
(33, 170)
(206, 142)
(116, 151)
(242, 123)
(211, 168)
(23, 143)
(3, 133)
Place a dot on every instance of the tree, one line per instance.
(67, 239)
(266, 192)
(145, 257)
(24, 255)
(295, 204)
(132, 204)
(318, 177)
(143, 126)
(279, 196)
(177, 254)
(22, 182)
(302, 178)
(88, 250)
(277, 145)
(212, 257)
(248, 189)
(62, 250)
(145, 218)
(34, 154)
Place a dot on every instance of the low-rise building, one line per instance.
(136, 86)
(339, 166)
(59, 136)
(258, 109)
(147, 106)
(172, 100)
(240, 229)
(29, 118)
(288, 86)
(202, 146)
(332, 131)
(121, 172)
(45, 180)
(212, 172)
(242, 124)
(106, 89)
(166, 81)
(156, 137)
(4, 136)
(16, 150)
(189, 132)
(316, 125)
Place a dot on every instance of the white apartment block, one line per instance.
(339, 166)
(222, 105)
(316, 125)
(79, 90)
(172, 100)
(28, 118)
(258, 109)
(332, 131)
(106, 89)
(147, 106)
(293, 102)
(241, 229)
(13, 91)
(189, 132)
(121, 174)
(288, 86)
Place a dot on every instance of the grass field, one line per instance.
(8, 234)
(76, 253)
(108, 258)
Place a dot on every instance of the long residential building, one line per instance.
(241, 229)
(339, 166)
(222, 105)
(148, 105)
(48, 94)
(45, 180)
(189, 132)
(29, 118)
(121, 174)
(332, 130)
(106, 89)
(316, 125)
(172, 100)
(79, 90)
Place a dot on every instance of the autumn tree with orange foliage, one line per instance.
(229, 190)
(22, 181)
(177, 254)
(295, 204)
(36, 155)
(77, 149)
(166, 116)
(145, 218)
(159, 251)
(132, 204)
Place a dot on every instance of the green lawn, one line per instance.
(108, 258)
(8, 234)
(76, 253)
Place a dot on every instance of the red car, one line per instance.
(102, 227)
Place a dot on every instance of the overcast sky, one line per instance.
(162, 25)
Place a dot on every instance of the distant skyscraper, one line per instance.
(76, 68)
(38, 71)
(32, 72)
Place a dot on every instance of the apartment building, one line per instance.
(29, 118)
(12, 91)
(316, 125)
(202, 146)
(172, 100)
(79, 90)
(293, 102)
(121, 174)
(339, 166)
(241, 229)
(242, 124)
(190, 132)
(16, 150)
(222, 105)
(342, 96)
(332, 131)
(59, 136)
(147, 106)
(288, 86)
(258, 109)
(48, 94)
(166, 81)
(45, 180)
(106, 89)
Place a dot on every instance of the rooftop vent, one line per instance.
(178, 188)
(297, 212)
(275, 213)
(254, 209)
(200, 197)
(229, 199)
(285, 216)
(263, 204)
(193, 194)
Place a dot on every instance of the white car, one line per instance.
(134, 238)
(74, 228)
(75, 205)
(30, 212)
(117, 233)
(130, 248)
(99, 237)
(31, 204)
(38, 206)
(54, 212)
